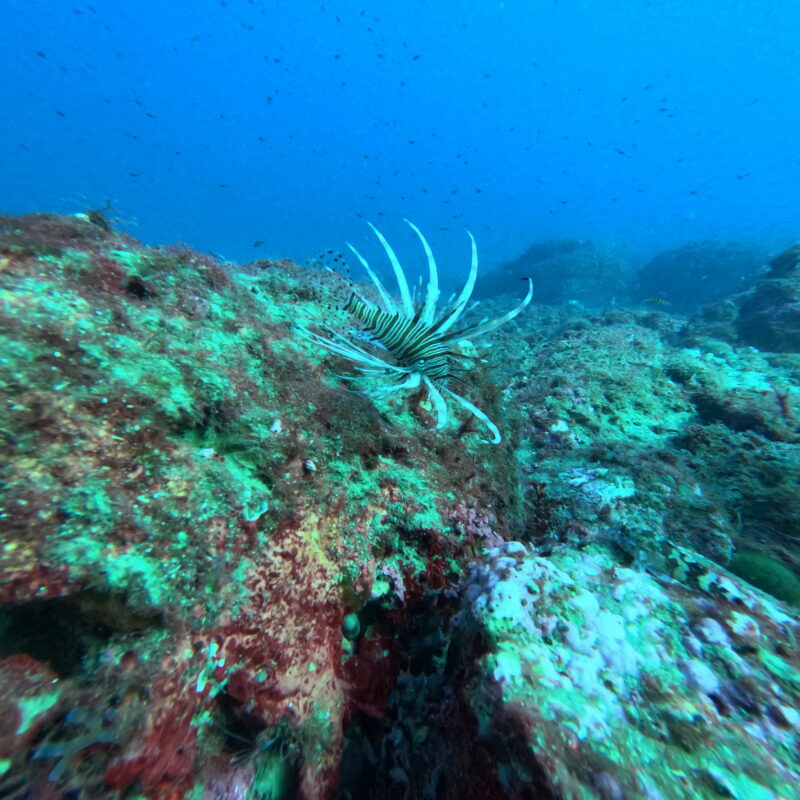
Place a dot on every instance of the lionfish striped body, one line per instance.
(413, 344)
(410, 343)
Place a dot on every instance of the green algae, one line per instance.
(768, 574)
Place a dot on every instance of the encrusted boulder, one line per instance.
(698, 273)
(564, 271)
(769, 315)
(679, 682)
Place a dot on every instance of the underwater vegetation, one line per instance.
(413, 343)
(225, 575)
(767, 573)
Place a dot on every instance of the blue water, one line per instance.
(223, 124)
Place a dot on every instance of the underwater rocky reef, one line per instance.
(226, 577)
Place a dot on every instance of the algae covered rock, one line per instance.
(193, 505)
(769, 315)
(626, 684)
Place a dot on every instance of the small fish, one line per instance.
(656, 301)
(258, 243)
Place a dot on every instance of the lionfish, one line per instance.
(409, 343)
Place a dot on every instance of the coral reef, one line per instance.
(190, 509)
(223, 575)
